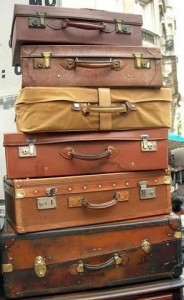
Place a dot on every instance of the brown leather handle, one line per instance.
(87, 109)
(70, 153)
(72, 63)
(83, 25)
(116, 260)
(84, 203)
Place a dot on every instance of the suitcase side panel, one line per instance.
(112, 260)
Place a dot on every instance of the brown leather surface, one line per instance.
(22, 33)
(93, 246)
(91, 74)
(54, 158)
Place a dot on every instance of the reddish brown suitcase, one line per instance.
(165, 289)
(52, 25)
(90, 257)
(60, 202)
(91, 66)
(72, 154)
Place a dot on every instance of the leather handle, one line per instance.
(121, 108)
(83, 202)
(73, 63)
(70, 153)
(83, 25)
(114, 261)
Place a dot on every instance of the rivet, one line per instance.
(35, 191)
(155, 180)
(69, 189)
(127, 183)
(85, 187)
(99, 186)
(10, 258)
(58, 75)
(114, 184)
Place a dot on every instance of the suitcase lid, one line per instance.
(20, 139)
(81, 14)
(92, 51)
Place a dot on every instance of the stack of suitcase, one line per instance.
(87, 190)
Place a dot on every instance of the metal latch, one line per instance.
(147, 146)
(7, 268)
(141, 63)
(146, 192)
(27, 151)
(37, 22)
(46, 202)
(122, 28)
(42, 63)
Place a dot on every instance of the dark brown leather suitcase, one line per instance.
(71, 153)
(91, 66)
(44, 109)
(165, 289)
(52, 25)
(90, 257)
(60, 202)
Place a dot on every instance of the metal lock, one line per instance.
(147, 146)
(146, 192)
(28, 151)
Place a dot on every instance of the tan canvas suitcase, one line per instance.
(60, 202)
(91, 66)
(43, 109)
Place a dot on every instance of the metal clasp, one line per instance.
(146, 192)
(147, 146)
(27, 151)
(37, 22)
(141, 63)
(122, 28)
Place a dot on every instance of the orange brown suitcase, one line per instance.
(72, 154)
(91, 66)
(33, 24)
(90, 257)
(61, 202)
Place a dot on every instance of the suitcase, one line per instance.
(72, 154)
(52, 25)
(44, 109)
(91, 66)
(90, 257)
(61, 202)
(165, 289)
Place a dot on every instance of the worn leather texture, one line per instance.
(44, 109)
(61, 202)
(91, 257)
(66, 153)
(72, 26)
(91, 66)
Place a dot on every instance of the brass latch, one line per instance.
(40, 266)
(37, 22)
(141, 63)
(28, 151)
(146, 192)
(42, 63)
(120, 27)
(7, 268)
(147, 146)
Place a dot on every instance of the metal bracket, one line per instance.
(122, 28)
(145, 192)
(37, 22)
(147, 146)
(28, 151)
(46, 202)
(141, 63)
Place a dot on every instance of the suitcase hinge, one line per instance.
(39, 22)
(122, 28)
(147, 146)
(141, 63)
(7, 268)
(40, 266)
(28, 151)
(42, 63)
(145, 192)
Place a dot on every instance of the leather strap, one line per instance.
(105, 100)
